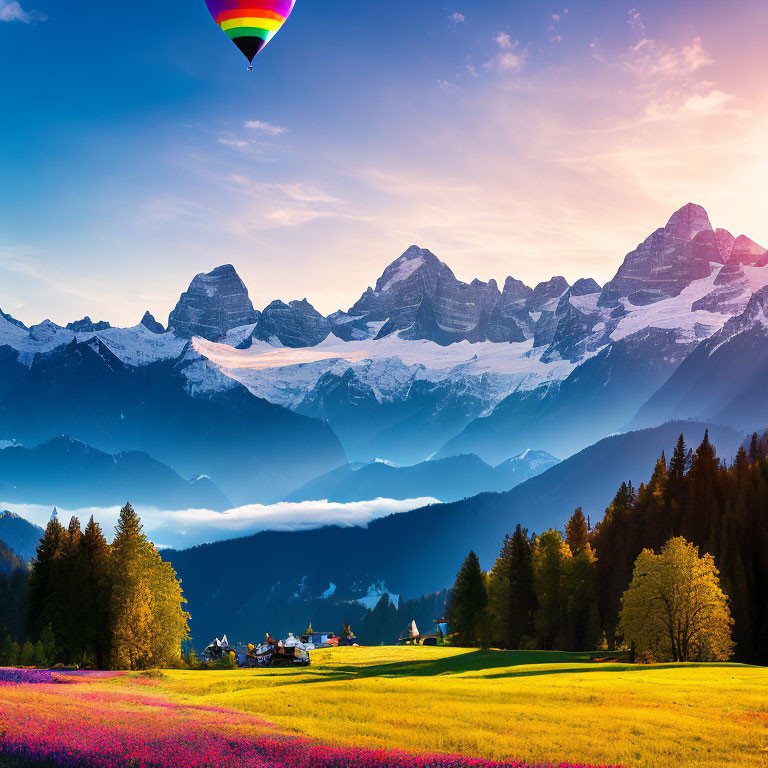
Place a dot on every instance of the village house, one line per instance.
(412, 636)
(320, 639)
(329, 639)
(215, 651)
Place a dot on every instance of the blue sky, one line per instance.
(510, 138)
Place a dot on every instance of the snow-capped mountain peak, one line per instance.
(688, 222)
(213, 304)
(402, 268)
(425, 345)
(747, 251)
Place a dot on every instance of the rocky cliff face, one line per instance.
(723, 379)
(297, 324)
(420, 297)
(585, 287)
(213, 304)
(730, 293)
(754, 317)
(510, 320)
(569, 329)
(455, 312)
(149, 322)
(668, 261)
(12, 320)
(725, 242)
(86, 325)
(544, 294)
(746, 251)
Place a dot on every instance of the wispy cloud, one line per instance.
(649, 60)
(189, 527)
(34, 267)
(295, 217)
(669, 79)
(256, 139)
(270, 205)
(304, 193)
(12, 11)
(503, 40)
(230, 140)
(266, 129)
(457, 18)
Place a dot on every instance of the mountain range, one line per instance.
(69, 473)
(421, 367)
(424, 365)
(424, 387)
(328, 572)
(449, 479)
(180, 410)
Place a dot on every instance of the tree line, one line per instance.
(698, 527)
(90, 603)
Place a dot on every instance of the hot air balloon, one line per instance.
(250, 24)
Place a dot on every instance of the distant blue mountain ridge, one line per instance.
(19, 535)
(69, 473)
(449, 479)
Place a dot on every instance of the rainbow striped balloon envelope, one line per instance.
(250, 24)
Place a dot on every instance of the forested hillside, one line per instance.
(720, 507)
(705, 519)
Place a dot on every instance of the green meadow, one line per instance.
(504, 704)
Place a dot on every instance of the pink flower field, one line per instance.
(117, 721)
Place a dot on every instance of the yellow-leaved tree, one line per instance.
(148, 618)
(674, 608)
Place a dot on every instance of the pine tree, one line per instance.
(148, 622)
(576, 532)
(468, 601)
(75, 533)
(6, 641)
(47, 593)
(27, 655)
(595, 636)
(13, 597)
(702, 510)
(499, 596)
(70, 633)
(48, 644)
(656, 504)
(523, 595)
(578, 595)
(625, 497)
(550, 562)
(512, 599)
(92, 582)
(741, 463)
(677, 464)
(614, 542)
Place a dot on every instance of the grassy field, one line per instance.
(533, 705)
